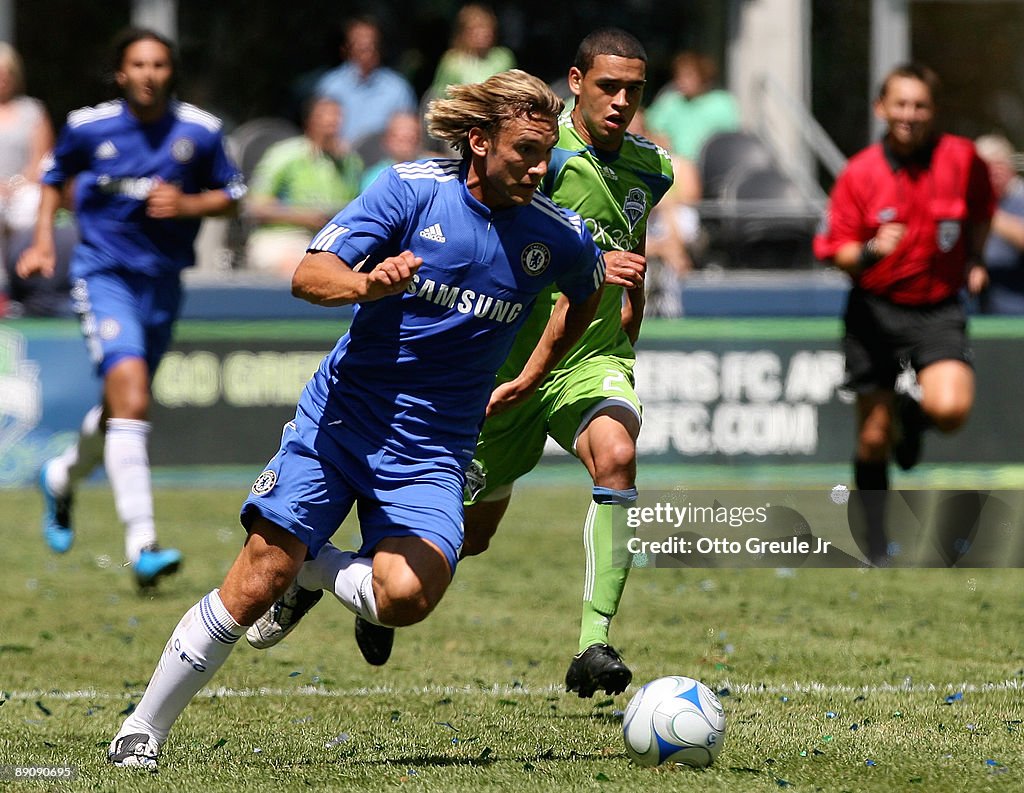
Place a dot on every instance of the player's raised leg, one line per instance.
(204, 638)
(399, 584)
(410, 549)
(61, 475)
(482, 520)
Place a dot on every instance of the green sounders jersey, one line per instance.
(614, 193)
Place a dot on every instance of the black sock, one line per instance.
(870, 475)
(867, 508)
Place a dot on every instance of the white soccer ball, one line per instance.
(674, 720)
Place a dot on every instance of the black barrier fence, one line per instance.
(715, 391)
(766, 391)
(822, 528)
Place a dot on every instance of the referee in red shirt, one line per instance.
(907, 222)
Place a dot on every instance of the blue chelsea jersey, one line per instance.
(415, 370)
(115, 159)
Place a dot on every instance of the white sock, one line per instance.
(198, 647)
(66, 470)
(347, 576)
(127, 463)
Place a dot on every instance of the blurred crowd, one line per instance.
(360, 117)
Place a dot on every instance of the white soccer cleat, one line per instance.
(134, 750)
(283, 616)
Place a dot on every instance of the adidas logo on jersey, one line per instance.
(433, 233)
(106, 150)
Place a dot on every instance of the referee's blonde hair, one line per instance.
(488, 105)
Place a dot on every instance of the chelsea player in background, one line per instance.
(146, 169)
(444, 259)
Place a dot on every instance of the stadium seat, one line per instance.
(250, 140)
(370, 149)
(247, 143)
(773, 222)
(726, 154)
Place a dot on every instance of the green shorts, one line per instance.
(511, 443)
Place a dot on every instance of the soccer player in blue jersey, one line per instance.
(443, 259)
(588, 404)
(146, 169)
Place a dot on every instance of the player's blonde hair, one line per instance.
(488, 105)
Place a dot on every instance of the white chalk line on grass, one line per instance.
(94, 695)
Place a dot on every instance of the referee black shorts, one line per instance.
(882, 338)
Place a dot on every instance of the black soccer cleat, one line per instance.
(375, 641)
(599, 666)
(910, 427)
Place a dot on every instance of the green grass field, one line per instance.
(832, 679)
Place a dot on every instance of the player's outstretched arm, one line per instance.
(564, 329)
(324, 279)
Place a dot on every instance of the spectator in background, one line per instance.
(474, 54)
(298, 185)
(26, 135)
(402, 142)
(689, 110)
(1004, 249)
(369, 93)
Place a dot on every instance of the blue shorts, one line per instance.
(320, 471)
(126, 315)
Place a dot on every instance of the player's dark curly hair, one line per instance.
(608, 41)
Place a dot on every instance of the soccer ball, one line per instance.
(674, 720)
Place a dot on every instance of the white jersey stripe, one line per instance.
(187, 112)
(441, 170)
(84, 115)
(327, 236)
(548, 207)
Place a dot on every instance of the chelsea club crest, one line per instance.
(536, 258)
(183, 149)
(264, 483)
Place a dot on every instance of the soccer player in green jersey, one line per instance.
(612, 178)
